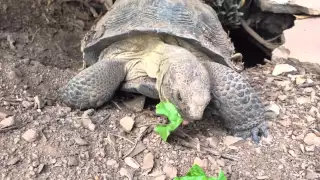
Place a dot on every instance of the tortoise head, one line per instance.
(186, 85)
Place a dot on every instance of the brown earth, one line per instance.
(43, 52)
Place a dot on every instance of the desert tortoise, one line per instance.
(172, 50)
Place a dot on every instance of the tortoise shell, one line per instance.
(191, 20)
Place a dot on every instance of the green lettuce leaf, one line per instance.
(197, 173)
(170, 111)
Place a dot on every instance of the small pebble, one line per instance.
(203, 163)
(7, 122)
(26, 104)
(312, 139)
(13, 161)
(87, 123)
(309, 148)
(80, 141)
(148, 161)
(127, 123)
(262, 177)
(39, 102)
(170, 171)
(213, 142)
(131, 162)
(282, 68)
(112, 162)
(125, 172)
(40, 168)
(30, 135)
(73, 161)
(229, 140)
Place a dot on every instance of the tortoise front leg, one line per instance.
(236, 102)
(94, 86)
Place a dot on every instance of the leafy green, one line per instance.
(197, 173)
(170, 111)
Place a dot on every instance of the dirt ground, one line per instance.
(40, 52)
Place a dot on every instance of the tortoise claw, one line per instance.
(256, 133)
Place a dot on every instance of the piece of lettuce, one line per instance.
(197, 173)
(170, 111)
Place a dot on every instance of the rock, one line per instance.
(272, 111)
(27, 104)
(282, 97)
(170, 171)
(112, 162)
(280, 53)
(300, 80)
(303, 100)
(310, 148)
(30, 135)
(88, 112)
(126, 173)
(40, 168)
(309, 81)
(302, 148)
(221, 162)
(35, 163)
(87, 123)
(7, 122)
(136, 104)
(229, 140)
(4, 113)
(148, 162)
(127, 123)
(13, 161)
(131, 162)
(73, 161)
(80, 141)
(309, 7)
(292, 153)
(312, 175)
(262, 177)
(312, 139)
(282, 68)
(213, 142)
(202, 163)
(38, 102)
(162, 177)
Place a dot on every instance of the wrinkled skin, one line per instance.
(187, 86)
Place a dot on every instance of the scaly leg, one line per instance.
(95, 85)
(236, 102)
